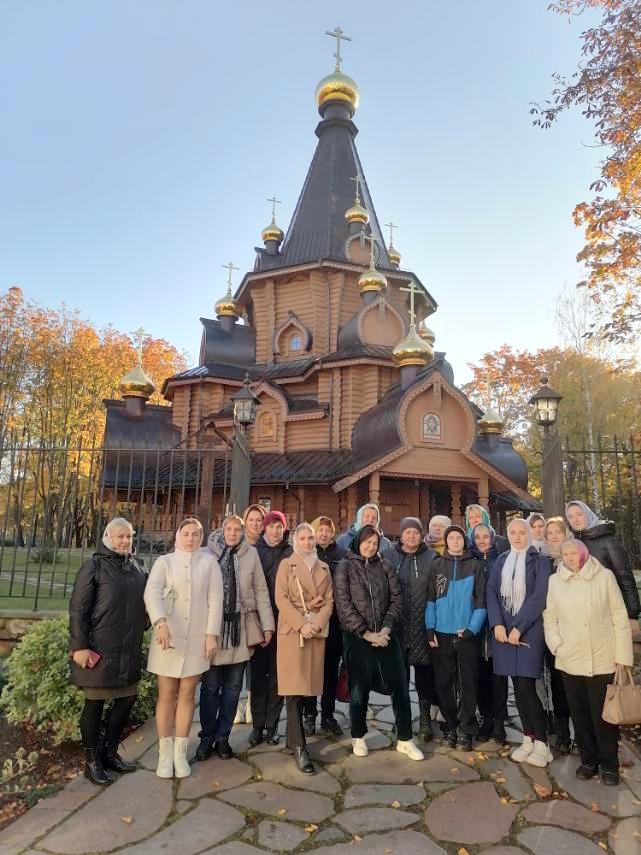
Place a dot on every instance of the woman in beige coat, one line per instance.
(305, 604)
(184, 600)
(246, 599)
(587, 629)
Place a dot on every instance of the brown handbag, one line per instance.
(622, 703)
(254, 634)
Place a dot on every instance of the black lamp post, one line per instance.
(245, 407)
(546, 404)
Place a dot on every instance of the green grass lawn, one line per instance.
(20, 580)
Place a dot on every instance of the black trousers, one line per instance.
(560, 705)
(456, 665)
(530, 708)
(423, 681)
(492, 694)
(266, 703)
(333, 656)
(295, 733)
(597, 740)
(114, 724)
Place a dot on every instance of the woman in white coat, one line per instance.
(184, 600)
(587, 629)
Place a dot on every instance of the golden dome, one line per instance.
(412, 350)
(491, 423)
(426, 333)
(227, 307)
(337, 87)
(136, 384)
(272, 232)
(372, 280)
(357, 214)
(394, 256)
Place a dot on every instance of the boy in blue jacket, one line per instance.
(454, 617)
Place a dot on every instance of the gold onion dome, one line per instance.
(412, 350)
(491, 423)
(357, 214)
(426, 334)
(272, 232)
(372, 280)
(136, 384)
(394, 256)
(227, 307)
(337, 87)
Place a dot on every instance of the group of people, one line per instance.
(462, 606)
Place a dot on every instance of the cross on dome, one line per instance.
(338, 34)
(140, 334)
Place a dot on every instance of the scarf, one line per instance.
(231, 592)
(513, 574)
(590, 516)
(485, 518)
(118, 522)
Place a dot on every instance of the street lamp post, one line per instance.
(245, 407)
(546, 404)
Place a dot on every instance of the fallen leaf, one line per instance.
(311, 828)
(396, 803)
(594, 807)
(387, 852)
(453, 770)
(500, 780)
(356, 839)
(602, 845)
(463, 851)
(636, 834)
(127, 819)
(138, 738)
(420, 784)
(542, 791)
(281, 811)
(215, 785)
(504, 801)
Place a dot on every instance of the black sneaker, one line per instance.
(271, 736)
(309, 725)
(451, 739)
(466, 742)
(499, 736)
(255, 737)
(330, 725)
(586, 772)
(485, 730)
(610, 779)
(223, 749)
(205, 749)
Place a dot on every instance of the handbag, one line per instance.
(342, 686)
(254, 635)
(309, 616)
(622, 703)
(169, 593)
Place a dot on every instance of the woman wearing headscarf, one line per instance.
(516, 592)
(245, 597)
(330, 553)
(368, 514)
(600, 539)
(266, 704)
(588, 631)
(184, 599)
(370, 603)
(477, 514)
(435, 531)
(556, 533)
(253, 519)
(492, 688)
(107, 622)
(305, 605)
(537, 524)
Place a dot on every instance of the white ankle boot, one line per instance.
(410, 749)
(520, 754)
(359, 747)
(182, 769)
(165, 767)
(540, 755)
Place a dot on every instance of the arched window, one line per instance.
(431, 426)
(295, 343)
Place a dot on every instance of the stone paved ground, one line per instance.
(453, 802)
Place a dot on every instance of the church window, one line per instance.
(431, 426)
(295, 343)
(267, 426)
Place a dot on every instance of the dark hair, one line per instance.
(364, 534)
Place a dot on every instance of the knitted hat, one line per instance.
(274, 517)
(411, 522)
(460, 530)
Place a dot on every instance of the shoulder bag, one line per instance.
(622, 703)
(169, 593)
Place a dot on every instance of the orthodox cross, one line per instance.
(337, 34)
(412, 291)
(359, 180)
(391, 226)
(141, 335)
(274, 202)
(372, 243)
(229, 266)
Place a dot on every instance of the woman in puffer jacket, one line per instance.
(587, 629)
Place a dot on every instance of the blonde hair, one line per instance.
(233, 518)
(561, 523)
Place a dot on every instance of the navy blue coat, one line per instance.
(511, 660)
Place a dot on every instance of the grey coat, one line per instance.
(254, 596)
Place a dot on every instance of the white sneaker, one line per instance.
(408, 748)
(165, 768)
(520, 754)
(540, 755)
(248, 713)
(182, 769)
(239, 718)
(359, 747)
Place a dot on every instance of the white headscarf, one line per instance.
(541, 546)
(116, 523)
(590, 517)
(513, 573)
(309, 557)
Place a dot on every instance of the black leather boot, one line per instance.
(425, 731)
(303, 761)
(562, 730)
(309, 725)
(205, 749)
(94, 770)
(255, 737)
(330, 725)
(224, 749)
(112, 760)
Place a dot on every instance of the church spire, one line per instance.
(337, 94)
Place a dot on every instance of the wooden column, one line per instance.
(374, 487)
(483, 487)
(457, 516)
(352, 503)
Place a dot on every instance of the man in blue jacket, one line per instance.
(454, 617)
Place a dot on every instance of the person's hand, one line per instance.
(465, 633)
(382, 639)
(432, 640)
(307, 630)
(163, 636)
(317, 603)
(211, 645)
(268, 637)
(370, 637)
(81, 657)
(514, 636)
(500, 634)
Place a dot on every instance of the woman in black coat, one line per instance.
(107, 621)
(600, 539)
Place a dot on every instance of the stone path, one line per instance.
(453, 802)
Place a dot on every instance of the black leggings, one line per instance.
(115, 720)
(530, 708)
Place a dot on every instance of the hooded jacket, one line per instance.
(602, 543)
(586, 622)
(456, 594)
(367, 594)
(345, 539)
(413, 571)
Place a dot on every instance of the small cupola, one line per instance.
(392, 253)
(337, 95)
(272, 235)
(227, 309)
(372, 281)
(136, 387)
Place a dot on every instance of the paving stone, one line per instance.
(73, 796)
(362, 820)
(214, 776)
(282, 769)
(29, 827)
(405, 842)
(623, 838)
(139, 741)
(183, 806)
(141, 795)
(398, 769)
(329, 835)
(325, 750)
(235, 847)
(536, 775)
(544, 840)
(566, 815)
(383, 794)
(615, 801)
(503, 850)
(439, 788)
(472, 813)
(281, 836)
(268, 798)
(516, 786)
(208, 823)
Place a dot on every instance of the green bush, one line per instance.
(46, 555)
(39, 690)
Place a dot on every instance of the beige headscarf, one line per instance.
(111, 527)
(309, 557)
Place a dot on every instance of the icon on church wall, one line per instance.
(431, 426)
(295, 343)
(267, 426)
(266, 503)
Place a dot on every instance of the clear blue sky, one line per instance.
(141, 139)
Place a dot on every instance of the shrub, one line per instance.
(46, 555)
(39, 690)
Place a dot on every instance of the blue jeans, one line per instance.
(219, 694)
